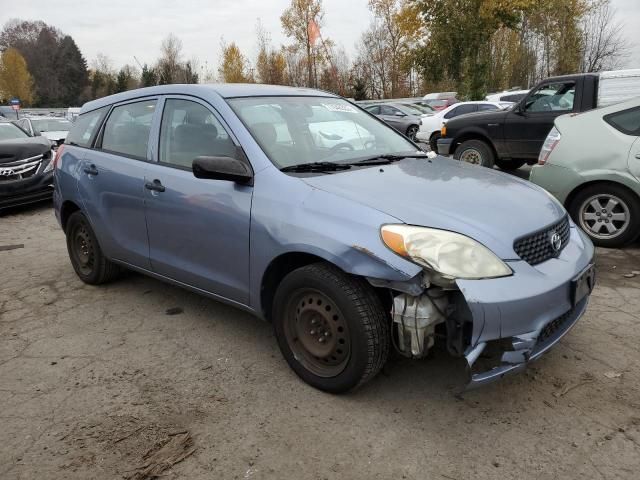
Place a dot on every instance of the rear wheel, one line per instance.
(608, 213)
(331, 328)
(412, 131)
(509, 165)
(86, 256)
(475, 152)
(433, 141)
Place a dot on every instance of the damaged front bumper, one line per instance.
(519, 318)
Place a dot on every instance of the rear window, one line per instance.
(85, 127)
(626, 121)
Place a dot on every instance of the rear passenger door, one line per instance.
(111, 181)
(198, 228)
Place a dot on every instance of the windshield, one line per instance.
(419, 108)
(298, 130)
(51, 125)
(8, 131)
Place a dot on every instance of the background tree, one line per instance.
(15, 79)
(169, 64)
(234, 67)
(74, 77)
(295, 22)
(46, 49)
(148, 77)
(271, 64)
(603, 46)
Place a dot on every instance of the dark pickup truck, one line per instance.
(511, 138)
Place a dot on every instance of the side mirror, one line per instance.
(222, 168)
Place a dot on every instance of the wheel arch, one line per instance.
(472, 135)
(66, 210)
(579, 188)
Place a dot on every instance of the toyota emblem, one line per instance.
(556, 241)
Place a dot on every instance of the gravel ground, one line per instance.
(104, 383)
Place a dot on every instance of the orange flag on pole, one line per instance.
(313, 32)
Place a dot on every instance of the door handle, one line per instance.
(90, 170)
(155, 186)
(638, 156)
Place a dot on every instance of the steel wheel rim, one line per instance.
(604, 216)
(472, 156)
(413, 131)
(83, 249)
(317, 333)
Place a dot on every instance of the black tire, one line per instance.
(475, 152)
(85, 253)
(354, 304)
(583, 212)
(412, 131)
(433, 141)
(509, 165)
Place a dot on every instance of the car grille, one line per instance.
(554, 326)
(537, 248)
(20, 169)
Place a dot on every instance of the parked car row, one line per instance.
(590, 160)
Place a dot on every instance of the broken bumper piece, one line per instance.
(489, 361)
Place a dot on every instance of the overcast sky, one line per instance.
(121, 29)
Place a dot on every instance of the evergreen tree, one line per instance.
(148, 77)
(74, 76)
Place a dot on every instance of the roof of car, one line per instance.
(225, 90)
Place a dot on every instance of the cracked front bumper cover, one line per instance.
(520, 350)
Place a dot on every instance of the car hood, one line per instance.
(55, 135)
(491, 116)
(491, 207)
(19, 148)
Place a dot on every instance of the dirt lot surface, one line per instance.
(110, 382)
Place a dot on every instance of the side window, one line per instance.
(127, 129)
(452, 113)
(483, 107)
(553, 97)
(387, 110)
(374, 110)
(85, 127)
(190, 130)
(626, 121)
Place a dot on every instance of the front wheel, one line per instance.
(608, 213)
(331, 328)
(433, 141)
(85, 253)
(475, 152)
(509, 165)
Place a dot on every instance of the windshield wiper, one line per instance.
(316, 167)
(387, 158)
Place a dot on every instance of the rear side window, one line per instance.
(626, 121)
(374, 110)
(482, 107)
(85, 127)
(128, 127)
(461, 110)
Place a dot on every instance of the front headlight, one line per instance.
(450, 254)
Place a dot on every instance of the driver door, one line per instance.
(392, 116)
(527, 126)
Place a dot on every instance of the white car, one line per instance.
(429, 131)
(53, 128)
(507, 96)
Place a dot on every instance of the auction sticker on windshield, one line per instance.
(339, 107)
